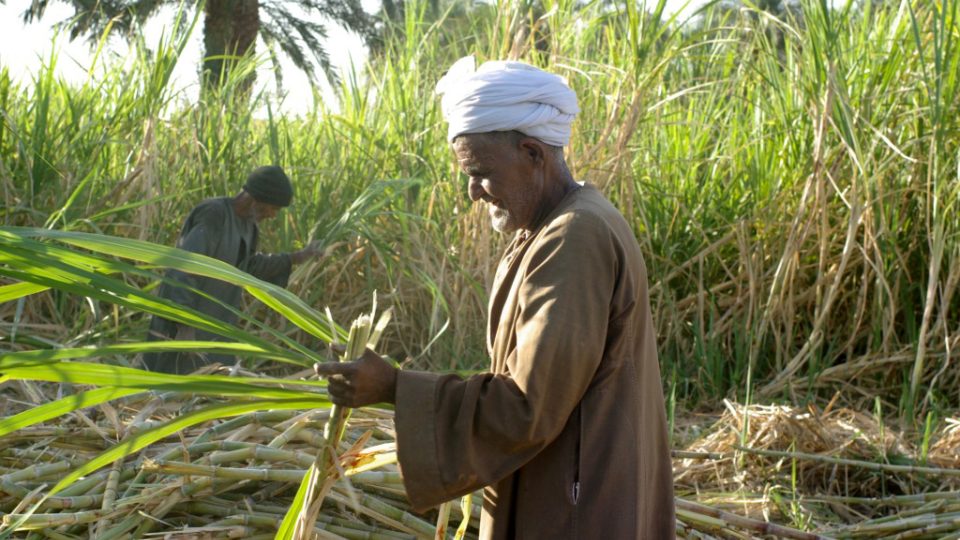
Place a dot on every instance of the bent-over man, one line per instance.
(224, 228)
(567, 433)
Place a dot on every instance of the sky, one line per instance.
(25, 47)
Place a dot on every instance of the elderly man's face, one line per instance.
(502, 175)
(261, 211)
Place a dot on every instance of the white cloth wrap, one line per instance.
(505, 96)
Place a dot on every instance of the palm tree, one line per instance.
(230, 28)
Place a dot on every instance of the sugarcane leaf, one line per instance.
(42, 413)
(215, 347)
(16, 291)
(144, 438)
(63, 269)
(273, 296)
(123, 377)
(289, 525)
(54, 272)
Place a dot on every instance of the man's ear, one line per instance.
(533, 149)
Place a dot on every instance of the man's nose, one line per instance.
(474, 189)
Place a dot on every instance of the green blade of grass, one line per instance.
(62, 406)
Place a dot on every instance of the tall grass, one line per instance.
(793, 182)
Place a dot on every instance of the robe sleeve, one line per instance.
(204, 228)
(272, 267)
(457, 435)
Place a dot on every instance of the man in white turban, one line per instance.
(507, 96)
(567, 433)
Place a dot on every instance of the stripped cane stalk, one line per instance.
(362, 334)
(692, 512)
(466, 506)
(443, 519)
(109, 494)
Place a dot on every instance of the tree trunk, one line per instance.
(230, 30)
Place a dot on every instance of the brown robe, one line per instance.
(568, 430)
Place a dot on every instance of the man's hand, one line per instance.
(369, 379)
(314, 250)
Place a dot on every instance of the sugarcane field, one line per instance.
(480, 269)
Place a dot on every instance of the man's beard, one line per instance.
(501, 220)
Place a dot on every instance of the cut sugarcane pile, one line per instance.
(837, 471)
(230, 479)
(237, 478)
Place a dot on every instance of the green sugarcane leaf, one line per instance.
(52, 272)
(273, 296)
(60, 407)
(43, 356)
(15, 291)
(122, 377)
(289, 524)
(142, 439)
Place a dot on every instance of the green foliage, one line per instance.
(792, 177)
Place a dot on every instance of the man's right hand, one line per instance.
(314, 250)
(367, 380)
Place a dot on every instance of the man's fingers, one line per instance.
(340, 392)
(325, 369)
(339, 380)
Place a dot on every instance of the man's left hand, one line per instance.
(369, 379)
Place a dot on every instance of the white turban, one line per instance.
(506, 96)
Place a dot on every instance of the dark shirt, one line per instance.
(213, 229)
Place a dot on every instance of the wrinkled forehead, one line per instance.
(477, 149)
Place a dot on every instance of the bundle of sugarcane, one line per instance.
(233, 479)
(238, 479)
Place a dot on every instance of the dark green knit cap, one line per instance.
(269, 185)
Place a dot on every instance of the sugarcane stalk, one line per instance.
(900, 525)
(262, 453)
(932, 529)
(341, 527)
(466, 508)
(443, 519)
(686, 454)
(388, 514)
(54, 535)
(890, 500)
(213, 471)
(36, 472)
(109, 494)
(287, 435)
(43, 521)
(361, 335)
(868, 465)
(260, 418)
(744, 522)
(52, 503)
